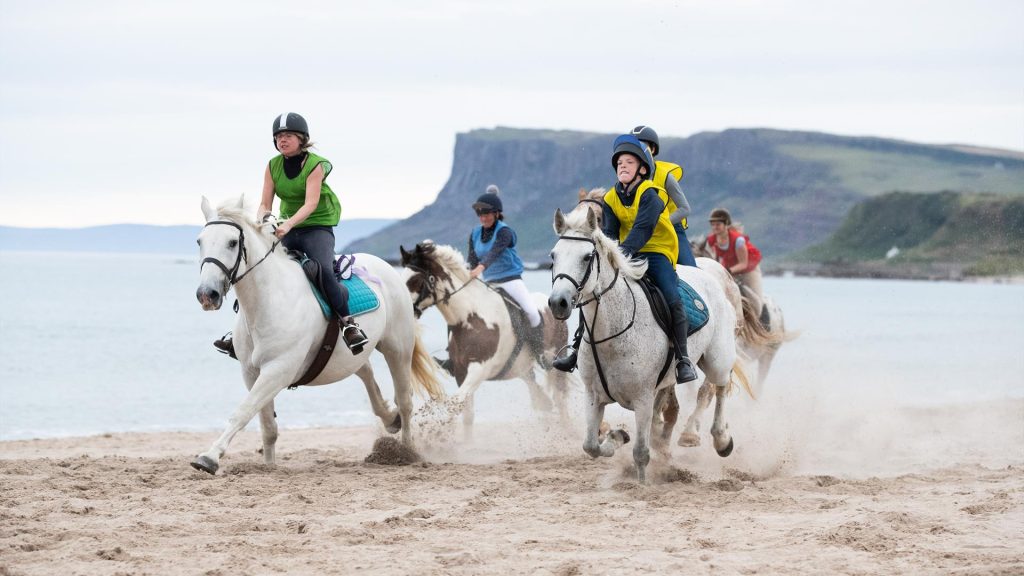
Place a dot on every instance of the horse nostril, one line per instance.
(214, 295)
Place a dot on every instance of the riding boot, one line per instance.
(225, 345)
(680, 327)
(353, 336)
(766, 318)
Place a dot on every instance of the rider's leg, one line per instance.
(318, 244)
(752, 281)
(685, 253)
(663, 273)
(521, 294)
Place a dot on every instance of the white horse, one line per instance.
(483, 343)
(280, 328)
(627, 356)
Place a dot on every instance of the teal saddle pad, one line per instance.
(361, 299)
(696, 309)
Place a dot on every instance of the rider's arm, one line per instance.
(267, 199)
(472, 259)
(609, 222)
(675, 192)
(647, 215)
(741, 256)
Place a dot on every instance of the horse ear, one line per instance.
(208, 212)
(406, 256)
(591, 221)
(582, 193)
(559, 222)
(241, 202)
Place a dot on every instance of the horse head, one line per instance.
(427, 270)
(222, 245)
(572, 260)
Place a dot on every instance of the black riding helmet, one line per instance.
(488, 201)
(629, 144)
(649, 136)
(291, 122)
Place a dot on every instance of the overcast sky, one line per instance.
(130, 111)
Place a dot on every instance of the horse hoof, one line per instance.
(725, 451)
(396, 425)
(689, 440)
(621, 435)
(205, 464)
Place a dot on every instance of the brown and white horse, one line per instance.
(483, 343)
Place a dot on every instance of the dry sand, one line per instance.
(895, 491)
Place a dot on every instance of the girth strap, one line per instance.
(324, 355)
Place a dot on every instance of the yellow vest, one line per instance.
(664, 240)
(661, 171)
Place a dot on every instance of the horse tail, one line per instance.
(424, 375)
(753, 332)
(741, 375)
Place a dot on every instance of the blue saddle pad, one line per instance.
(696, 309)
(361, 299)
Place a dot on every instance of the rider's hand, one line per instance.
(476, 271)
(283, 228)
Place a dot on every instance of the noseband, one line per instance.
(232, 274)
(429, 289)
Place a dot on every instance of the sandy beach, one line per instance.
(522, 498)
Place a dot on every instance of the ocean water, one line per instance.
(95, 343)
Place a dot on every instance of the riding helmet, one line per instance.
(488, 201)
(291, 122)
(720, 215)
(629, 144)
(647, 135)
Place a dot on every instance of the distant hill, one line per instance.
(903, 233)
(145, 239)
(790, 189)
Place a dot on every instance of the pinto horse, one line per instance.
(280, 328)
(483, 342)
(627, 357)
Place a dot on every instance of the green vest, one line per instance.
(664, 239)
(292, 192)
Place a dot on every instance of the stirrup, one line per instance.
(225, 345)
(356, 341)
(684, 371)
(565, 362)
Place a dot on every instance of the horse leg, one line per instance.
(720, 428)
(268, 419)
(643, 410)
(612, 440)
(462, 401)
(666, 413)
(468, 416)
(689, 436)
(399, 360)
(392, 419)
(270, 382)
(539, 400)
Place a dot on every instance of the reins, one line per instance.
(240, 256)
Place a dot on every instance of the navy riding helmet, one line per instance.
(629, 144)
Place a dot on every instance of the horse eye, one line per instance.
(233, 243)
(199, 242)
(588, 257)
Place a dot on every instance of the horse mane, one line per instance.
(233, 211)
(577, 222)
(451, 260)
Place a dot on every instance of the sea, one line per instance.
(106, 343)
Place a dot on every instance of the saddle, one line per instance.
(361, 299)
(696, 309)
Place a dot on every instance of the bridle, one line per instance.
(240, 256)
(428, 289)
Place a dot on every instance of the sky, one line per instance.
(130, 111)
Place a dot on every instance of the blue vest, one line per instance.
(508, 264)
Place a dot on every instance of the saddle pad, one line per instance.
(696, 309)
(361, 299)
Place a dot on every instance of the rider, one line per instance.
(734, 250)
(493, 255)
(310, 211)
(667, 176)
(635, 215)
